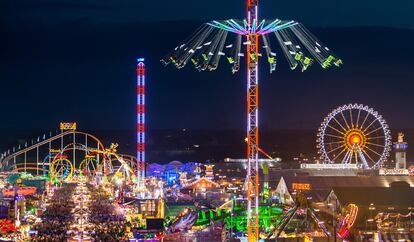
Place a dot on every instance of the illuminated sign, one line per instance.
(394, 172)
(329, 166)
(67, 126)
(54, 151)
(301, 186)
(400, 146)
(25, 191)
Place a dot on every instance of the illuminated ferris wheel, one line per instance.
(354, 134)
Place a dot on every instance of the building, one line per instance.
(317, 188)
(200, 187)
(400, 152)
(170, 172)
(204, 189)
(376, 205)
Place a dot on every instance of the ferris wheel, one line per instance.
(354, 134)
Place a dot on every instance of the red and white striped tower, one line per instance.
(140, 122)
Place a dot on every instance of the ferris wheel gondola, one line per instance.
(354, 134)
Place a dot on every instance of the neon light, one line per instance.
(140, 121)
(67, 126)
(301, 186)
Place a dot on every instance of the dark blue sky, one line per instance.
(75, 60)
(397, 13)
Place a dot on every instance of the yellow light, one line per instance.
(356, 139)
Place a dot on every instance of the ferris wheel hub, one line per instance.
(355, 139)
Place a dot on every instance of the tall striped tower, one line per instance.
(140, 121)
(252, 122)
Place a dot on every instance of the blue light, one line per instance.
(141, 59)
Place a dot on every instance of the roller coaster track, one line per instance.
(4, 163)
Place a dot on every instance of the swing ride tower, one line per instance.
(253, 40)
(252, 123)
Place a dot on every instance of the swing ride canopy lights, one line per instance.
(211, 41)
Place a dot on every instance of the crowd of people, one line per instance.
(58, 216)
(107, 221)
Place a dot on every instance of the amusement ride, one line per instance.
(252, 39)
(354, 134)
(56, 157)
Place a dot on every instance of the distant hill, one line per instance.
(214, 145)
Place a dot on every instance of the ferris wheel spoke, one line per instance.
(340, 153)
(357, 121)
(373, 151)
(377, 137)
(350, 114)
(377, 145)
(336, 130)
(374, 130)
(346, 157)
(337, 148)
(370, 125)
(363, 122)
(334, 136)
(346, 122)
(335, 142)
(339, 124)
(369, 157)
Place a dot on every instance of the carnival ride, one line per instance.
(234, 218)
(183, 222)
(206, 217)
(210, 42)
(299, 219)
(56, 157)
(269, 218)
(344, 228)
(356, 134)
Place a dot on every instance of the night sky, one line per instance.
(75, 61)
